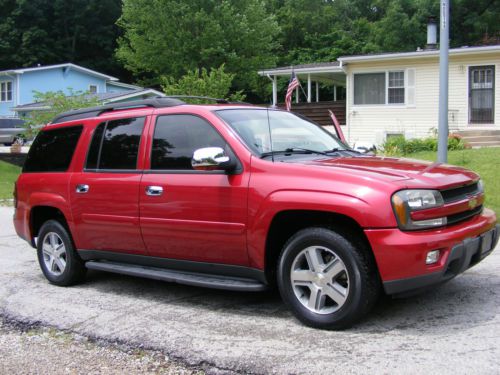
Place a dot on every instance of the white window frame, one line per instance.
(386, 104)
(3, 88)
(387, 80)
(96, 88)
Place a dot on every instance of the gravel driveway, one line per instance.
(453, 329)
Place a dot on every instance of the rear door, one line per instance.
(105, 195)
(188, 214)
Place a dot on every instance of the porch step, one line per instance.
(484, 144)
(479, 132)
(477, 138)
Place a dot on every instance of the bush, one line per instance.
(401, 146)
(215, 84)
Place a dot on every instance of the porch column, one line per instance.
(317, 91)
(334, 93)
(297, 94)
(275, 91)
(309, 88)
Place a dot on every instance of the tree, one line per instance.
(200, 82)
(58, 102)
(56, 31)
(172, 37)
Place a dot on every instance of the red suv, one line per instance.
(238, 197)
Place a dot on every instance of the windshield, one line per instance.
(288, 131)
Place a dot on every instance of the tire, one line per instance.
(334, 283)
(57, 257)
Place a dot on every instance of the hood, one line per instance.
(414, 173)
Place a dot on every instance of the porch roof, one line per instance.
(326, 72)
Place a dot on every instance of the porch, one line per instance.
(322, 88)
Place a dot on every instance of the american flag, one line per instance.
(294, 83)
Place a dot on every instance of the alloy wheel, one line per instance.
(319, 279)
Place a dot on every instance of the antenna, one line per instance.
(270, 135)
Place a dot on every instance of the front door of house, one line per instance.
(481, 94)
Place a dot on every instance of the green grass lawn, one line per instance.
(8, 175)
(484, 161)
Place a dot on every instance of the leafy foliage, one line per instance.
(200, 82)
(169, 38)
(58, 103)
(58, 31)
(396, 146)
(172, 37)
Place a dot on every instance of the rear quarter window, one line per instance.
(53, 150)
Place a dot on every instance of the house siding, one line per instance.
(57, 80)
(370, 123)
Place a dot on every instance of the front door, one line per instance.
(481, 94)
(188, 214)
(105, 195)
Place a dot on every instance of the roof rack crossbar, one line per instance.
(159, 102)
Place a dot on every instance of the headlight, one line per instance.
(480, 186)
(406, 201)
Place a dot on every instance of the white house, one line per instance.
(397, 93)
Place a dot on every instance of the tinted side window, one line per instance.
(95, 146)
(53, 150)
(115, 144)
(176, 137)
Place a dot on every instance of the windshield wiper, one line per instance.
(337, 149)
(293, 150)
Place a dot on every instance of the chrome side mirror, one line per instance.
(211, 159)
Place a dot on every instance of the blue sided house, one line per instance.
(17, 87)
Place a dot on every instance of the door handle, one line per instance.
(82, 188)
(154, 190)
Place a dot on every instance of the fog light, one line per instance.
(432, 257)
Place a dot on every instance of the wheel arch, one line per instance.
(288, 222)
(41, 214)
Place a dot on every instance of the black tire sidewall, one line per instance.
(73, 263)
(352, 308)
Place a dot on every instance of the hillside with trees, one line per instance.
(152, 42)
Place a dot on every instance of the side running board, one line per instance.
(180, 277)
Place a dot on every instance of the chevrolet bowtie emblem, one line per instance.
(472, 203)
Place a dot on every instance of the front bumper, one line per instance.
(400, 256)
(462, 256)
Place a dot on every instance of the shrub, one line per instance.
(401, 146)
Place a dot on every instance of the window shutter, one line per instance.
(410, 86)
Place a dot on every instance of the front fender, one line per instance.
(361, 211)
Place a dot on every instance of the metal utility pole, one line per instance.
(444, 31)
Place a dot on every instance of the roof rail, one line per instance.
(217, 100)
(159, 102)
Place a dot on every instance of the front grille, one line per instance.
(458, 194)
(462, 192)
(461, 216)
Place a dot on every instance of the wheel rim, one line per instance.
(320, 280)
(54, 253)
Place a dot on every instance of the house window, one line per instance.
(93, 89)
(396, 89)
(369, 88)
(379, 88)
(6, 91)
